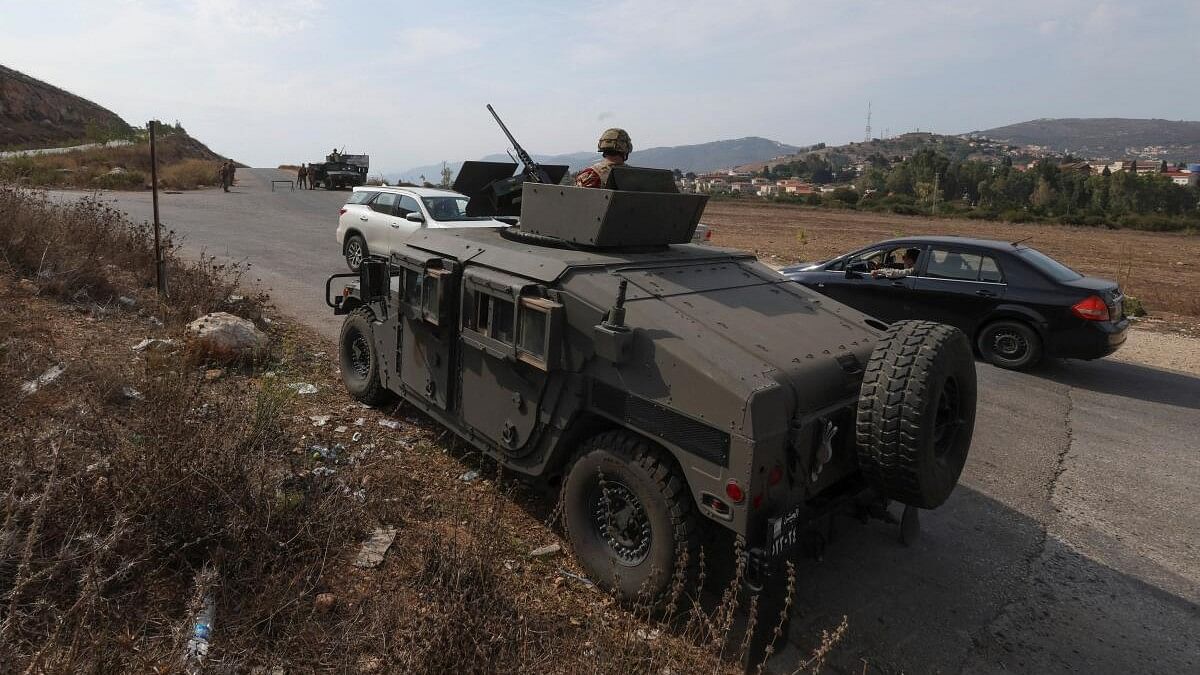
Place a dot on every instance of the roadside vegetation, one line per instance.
(183, 164)
(138, 486)
(931, 183)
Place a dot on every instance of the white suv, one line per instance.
(378, 218)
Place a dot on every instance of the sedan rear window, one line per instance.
(1047, 265)
(361, 197)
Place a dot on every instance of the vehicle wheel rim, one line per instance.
(359, 351)
(354, 253)
(947, 420)
(1009, 345)
(621, 522)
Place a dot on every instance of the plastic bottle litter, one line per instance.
(197, 644)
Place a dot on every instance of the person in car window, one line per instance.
(909, 265)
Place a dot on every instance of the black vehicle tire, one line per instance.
(916, 412)
(329, 184)
(651, 535)
(1010, 344)
(359, 359)
(355, 251)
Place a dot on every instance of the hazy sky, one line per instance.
(269, 82)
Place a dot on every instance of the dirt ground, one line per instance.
(1160, 269)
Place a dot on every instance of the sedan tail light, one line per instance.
(1091, 308)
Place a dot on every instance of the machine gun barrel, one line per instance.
(533, 171)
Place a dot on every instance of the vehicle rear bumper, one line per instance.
(1091, 340)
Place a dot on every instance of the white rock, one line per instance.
(303, 388)
(227, 337)
(374, 549)
(548, 549)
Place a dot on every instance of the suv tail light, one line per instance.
(341, 211)
(1091, 308)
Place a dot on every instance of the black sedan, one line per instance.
(1016, 303)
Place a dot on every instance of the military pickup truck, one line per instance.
(664, 385)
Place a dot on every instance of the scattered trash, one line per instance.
(577, 577)
(52, 373)
(197, 644)
(234, 299)
(360, 421)
(512, 565)
(303, 388)
(548, 549)
(647, 635)
(469, 476)
(356, 437)
(319, 420)
(325, 602)
(131, 393)
(126, 301)
(374, 549)
(153, 344)
(213, 374)
(390, 424)
(317, 355)
(155, 321)
(340, 429)
(323, 471)
(329, 454)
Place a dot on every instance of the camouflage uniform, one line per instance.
(302, 176)
(612, 142)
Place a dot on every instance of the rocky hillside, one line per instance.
(36, 114)
(1106, 138)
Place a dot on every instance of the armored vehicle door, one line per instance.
(428, 319)
(509, 338)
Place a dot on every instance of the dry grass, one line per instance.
(178, 158)
(136, 487)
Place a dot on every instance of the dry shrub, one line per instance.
(189, 174)
(91, 168)
(116, 500)
(87, 250)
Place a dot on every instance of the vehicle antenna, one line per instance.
(1022, 241)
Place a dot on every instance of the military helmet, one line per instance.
(615, 140)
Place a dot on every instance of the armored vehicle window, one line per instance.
(503, 315)
(483, 312)
(431, 295)
(406, 206)
(361, 197)
(412, 287)
(384, 202)
(533, 330)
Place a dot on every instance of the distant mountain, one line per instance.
(1106, 137)
(36, 114)
(701, 157)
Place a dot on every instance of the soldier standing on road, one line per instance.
(302, 176)
(615, 145)
(312, 177)
(227, 171)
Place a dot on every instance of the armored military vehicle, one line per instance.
(665, 384)
(341, 171)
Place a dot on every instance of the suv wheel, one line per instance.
(630, 517)
(916, 412)
(1010, 344)
(359, 359)
(355, 251)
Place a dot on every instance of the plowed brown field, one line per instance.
(1161, 269)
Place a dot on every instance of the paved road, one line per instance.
(1072, 544)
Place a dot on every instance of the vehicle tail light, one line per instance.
(708, 234)
(1091, 308)
(341, 212)
(734, 491)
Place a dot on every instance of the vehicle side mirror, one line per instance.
(414, 217)
(856, 269)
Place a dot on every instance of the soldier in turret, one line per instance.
(615, 145)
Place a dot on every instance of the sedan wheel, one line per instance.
(1010, 344)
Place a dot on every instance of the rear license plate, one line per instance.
(784, 532)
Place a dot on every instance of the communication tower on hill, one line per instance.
(867, 138)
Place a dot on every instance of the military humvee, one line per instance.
(666, 384)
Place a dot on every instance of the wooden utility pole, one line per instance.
(160, 270)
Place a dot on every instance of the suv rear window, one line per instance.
(361, 196)
(1047, 265)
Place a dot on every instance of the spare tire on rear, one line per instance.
(916, 412)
